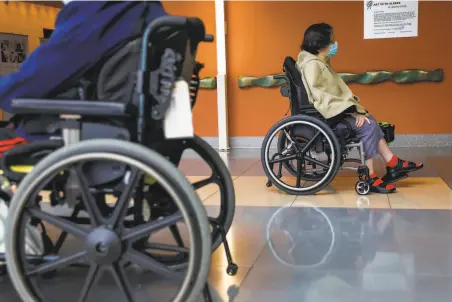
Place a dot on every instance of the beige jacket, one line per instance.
(326, 90)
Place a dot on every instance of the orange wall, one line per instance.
(27, 19)
(261, 34)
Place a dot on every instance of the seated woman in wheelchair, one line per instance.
(333, 99)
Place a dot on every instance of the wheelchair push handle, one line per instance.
(279, 77)
(176, 22)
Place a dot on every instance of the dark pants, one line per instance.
(369, 134)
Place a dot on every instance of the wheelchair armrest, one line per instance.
(309, 110)
(76, 107)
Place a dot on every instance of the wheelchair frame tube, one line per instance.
(362, 155)
(71, 128)
(143, 83)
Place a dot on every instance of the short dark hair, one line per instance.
(316, 37)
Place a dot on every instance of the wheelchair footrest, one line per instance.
(363, 173)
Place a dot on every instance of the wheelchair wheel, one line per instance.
(290, 166)
(318, 138)
(222, 178)
(109, 245)
(362, 188)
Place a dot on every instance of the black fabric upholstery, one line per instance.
(298, 95)
(116, 80)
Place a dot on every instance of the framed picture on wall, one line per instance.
(13, 51)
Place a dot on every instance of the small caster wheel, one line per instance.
(269, 184)
(3, 270)
(232, 269)
(362, 188)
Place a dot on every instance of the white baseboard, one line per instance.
(410, 140)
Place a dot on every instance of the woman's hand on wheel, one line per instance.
(360, 120)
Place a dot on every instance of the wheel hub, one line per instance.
(103, 246)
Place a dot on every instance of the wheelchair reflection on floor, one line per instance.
(108, 178)
(306, 238)
(310, 148)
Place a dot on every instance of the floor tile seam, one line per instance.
(443, 180)
(233, 180)
(252, 166)
(251, 267)
(261, 252)
(398, 248)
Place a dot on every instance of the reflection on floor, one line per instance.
(334, 246)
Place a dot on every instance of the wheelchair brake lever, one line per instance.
(209, 38)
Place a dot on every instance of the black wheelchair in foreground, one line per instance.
(108, 177)
(309, 147)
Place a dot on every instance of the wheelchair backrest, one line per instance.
(298, 94)
(171, 58)
(171, 53)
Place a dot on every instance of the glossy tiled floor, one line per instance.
(334, 246)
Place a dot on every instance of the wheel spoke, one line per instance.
(60, 263)
(281, 159)
(166, 247)
(121, 279)
(299, 171)
(176, 234)
(94, 275)
(144, 230)
(309, 144)
(151, 264)
(123, 201)
(88, 199)
(313, 160)
(62, 223)
(202, 183)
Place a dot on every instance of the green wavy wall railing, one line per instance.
(410, 76)
(367, 78)
(208, 83)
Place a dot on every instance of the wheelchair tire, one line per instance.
(325, 130)
(222, 177)
(150, 162)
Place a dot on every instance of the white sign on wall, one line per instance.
(390, 19)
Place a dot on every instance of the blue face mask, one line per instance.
(333, 50)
